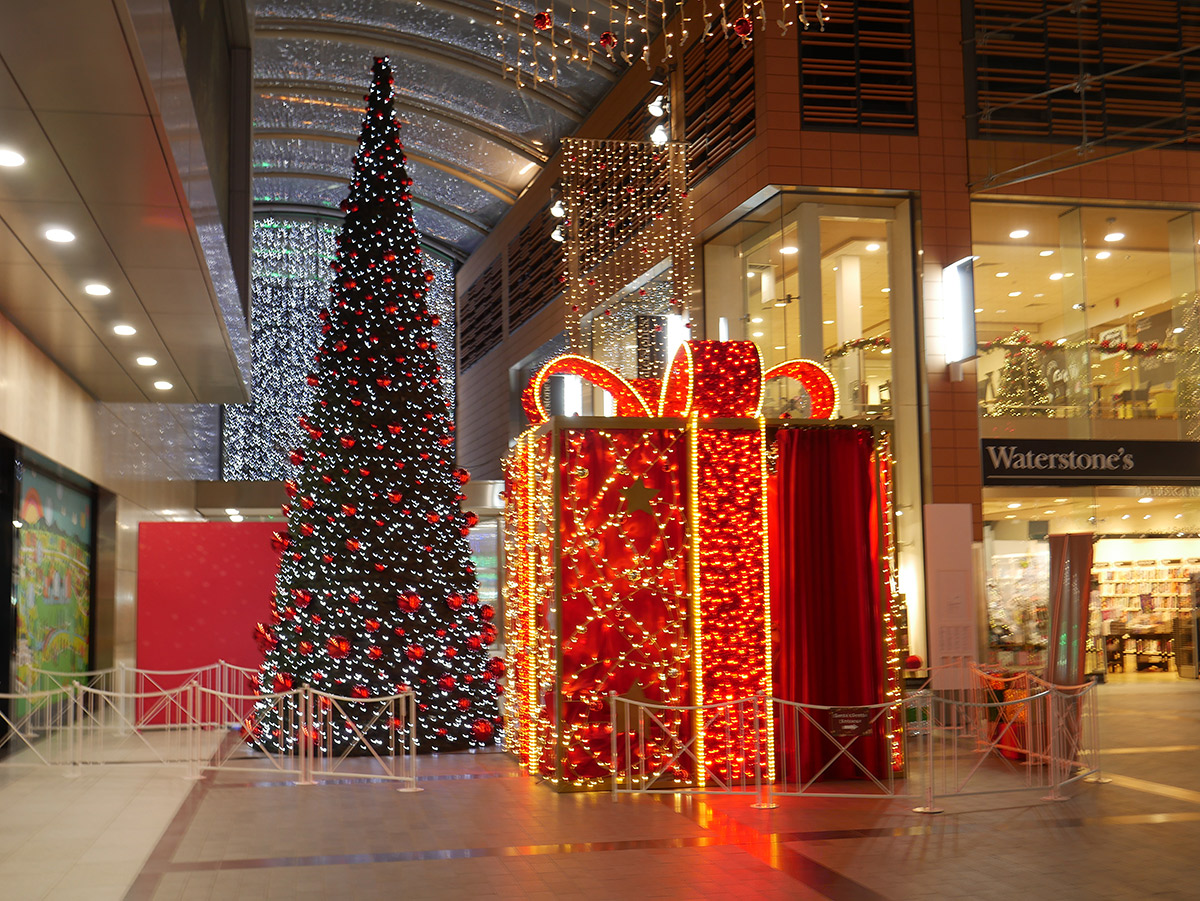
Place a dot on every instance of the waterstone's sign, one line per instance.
(1043, 461)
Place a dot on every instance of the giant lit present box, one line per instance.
(637, 565)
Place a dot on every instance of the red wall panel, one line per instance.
(201, 588)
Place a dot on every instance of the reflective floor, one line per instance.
(479, 829)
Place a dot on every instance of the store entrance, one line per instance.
(1145, 585)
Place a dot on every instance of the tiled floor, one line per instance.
(481, 830)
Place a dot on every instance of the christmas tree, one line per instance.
(1024, 390)
(376, 593)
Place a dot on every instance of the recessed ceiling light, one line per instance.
(163, 385)
(979, 309)
(1126, 516)
(885, 290)
(828, 322)
(1002, 311)
(10, 159)
(1103, 255)
(1019, 233)
(59, 235)
(1014, 293)
(1001, 275)
(1147, 516)
(788, 249)
(1014, 506)
(780, 347)
(125, 330)
(872, 247)
(1055, 276)
(1179, 516)
(1145, 500)
(1140, 313)
(1068, 275)
(751, 273)
(1060, 500)
(757, 334)
(1045, 253)
(1114, 235)
(1047, 513)
(1177, 331)
(97, 290)
(886, 351)
(835, 268)
(236, 517)
(756, 319)
(147, 361)
(232, 511)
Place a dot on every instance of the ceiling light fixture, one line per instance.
(97, 290)
(232, 511)
(236, 517)
(557, 210)
(1045, 253)
(1014, 293)
(10, 159)
(163, 385)
(1178, 330)
(979, 309)
(147, 361)
(872, 247)
(1019, 233)
(1001, 275)
(557, 234)
(124, 330)
(885, 290)
(1145, 500)
(1056, 276)
(59, 235)
(1113, 233)
(1014, 506)
(827, 322)
(1103, 254)
(657, 107)
(789, 249)
(659, 136)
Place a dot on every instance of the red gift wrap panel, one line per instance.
(624, 573)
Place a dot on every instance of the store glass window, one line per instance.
(1087, 317)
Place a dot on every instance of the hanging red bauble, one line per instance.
(282, 682)
(482, 729)
(307, 502)
(464, 703)
(488, 634)
(297, 457)
(291, 487)
(542, 21)
(446, 682)
(352, 544)
(608, 40)
(743, 27)
(487, 611)
(454, 601)
(338, 647)
(429, 276)
(305, 647)
(279, 541)
(472, 519)
(347, 441)
(374, 652)
(371, 625)
(265, 637)
(349, 509)
(415, 652)
(409, 602)
(497, 667)
(474, 643)
(360, 691)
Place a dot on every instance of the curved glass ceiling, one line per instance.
(474, 137)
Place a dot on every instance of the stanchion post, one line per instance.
(762, 789)
(929, 806)
(410, 749)
(1056, 763)
(612, 734)
(1098, 777)
(192, 712)
(75, 741)
(305, 699)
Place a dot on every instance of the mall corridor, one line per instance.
(480, 829)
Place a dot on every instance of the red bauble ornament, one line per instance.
(497, 667)
(291, 487)
(446, 682)
(482, 729)
(912, 661)
(429, 276)
(542, 21)
(415, 652)
(282, 682)
(375, 652)
(608, 40)
(349, 509)
(346, 441)
(743, 27)
(279, 541)
(265, 637)
(306, 647)
(297, 457)
(360, 691)
(454, 601)
(487, 611)
(409, 602)
(488, 634)
(451, 652)
(338, 647)
(371, 625)
(464, 703)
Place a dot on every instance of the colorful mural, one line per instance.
(52, 584)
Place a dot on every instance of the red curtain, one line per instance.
(827, 607)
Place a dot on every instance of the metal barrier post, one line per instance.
(305, 699)
(1092, 716)
(1057, 763)
(192, 711)
(761, 789)
(929, 806)
(410, 749)
(612, 733)
(74, 724)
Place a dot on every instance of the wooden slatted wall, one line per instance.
(1027, 47)
(859, 73)
(480, 315)
(718, 111)
(535, 268)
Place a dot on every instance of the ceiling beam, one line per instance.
(516, 143)
(475, 180)
(340, 179)
(401, 45)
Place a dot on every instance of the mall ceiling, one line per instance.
(476, 130)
